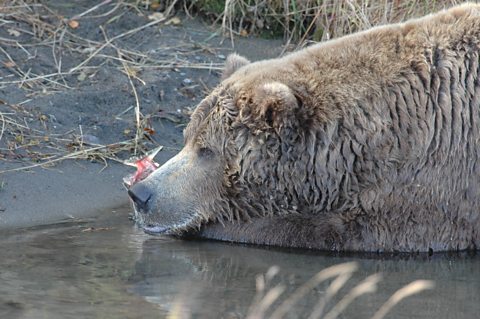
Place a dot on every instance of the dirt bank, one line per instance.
(78, 98)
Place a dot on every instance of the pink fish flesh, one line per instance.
(145, 166)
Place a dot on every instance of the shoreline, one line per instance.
(68, 191)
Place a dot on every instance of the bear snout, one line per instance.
(141, 195)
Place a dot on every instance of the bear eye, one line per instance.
(205, 152)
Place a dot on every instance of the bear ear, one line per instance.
(276, 104)
(233, 63)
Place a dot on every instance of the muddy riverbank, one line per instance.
(76, 99)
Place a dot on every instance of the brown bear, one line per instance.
(365, 143)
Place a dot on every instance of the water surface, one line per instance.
(107, 268)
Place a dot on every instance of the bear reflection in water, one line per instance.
(215, 280)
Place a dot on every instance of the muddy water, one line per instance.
(107, 268)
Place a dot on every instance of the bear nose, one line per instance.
(140, 194)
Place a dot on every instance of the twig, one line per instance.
(227, 13)
(72, 155)
(137, 100)
(113, 39)
(137, 109)
(35, 78)
(91, 9)
(3, 126)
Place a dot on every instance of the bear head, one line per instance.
(245, 155)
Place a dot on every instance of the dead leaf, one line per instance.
(131, 72)
(82, 76)
(13, 32)
(149, 131)
(156, 16)
(155, 6)
(174, 21)
(88, 50)
(73, 24)
(244, 33)
(9, 64)
(19, 138)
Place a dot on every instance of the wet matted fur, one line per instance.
(366, 143)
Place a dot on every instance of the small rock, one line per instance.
(174, 21)
(90, 139)
(156, 16)
(187, 81)
(259, 23)
(221, 56)
(13, 32)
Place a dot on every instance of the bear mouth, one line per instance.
(150, 227)
(155, 229)
(147, 226)
(180, 228)
(176, 230)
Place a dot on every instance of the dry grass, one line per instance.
(266, 301)
(57, 35)
(307, 20)
(274, 303)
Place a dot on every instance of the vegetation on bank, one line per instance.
(299, 20)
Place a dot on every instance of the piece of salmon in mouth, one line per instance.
(144, 165)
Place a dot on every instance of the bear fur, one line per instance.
(369, 142)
